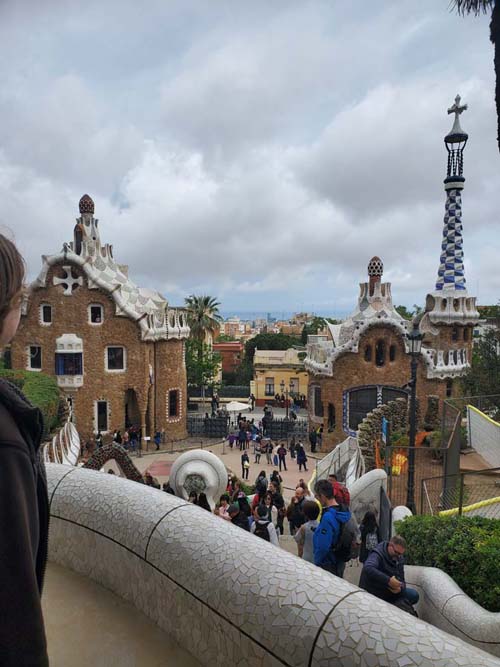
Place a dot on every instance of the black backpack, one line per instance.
(261, 530)
(347, 546)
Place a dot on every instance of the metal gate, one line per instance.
(208, 427)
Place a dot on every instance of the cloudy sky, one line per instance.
(260, 152)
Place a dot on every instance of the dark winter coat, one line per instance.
(378, 568)
(24, 520)
(301, 455)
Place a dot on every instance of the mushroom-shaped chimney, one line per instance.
(375, 272)
(86, 205)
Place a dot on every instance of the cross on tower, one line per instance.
(456, 108)
(69, 282)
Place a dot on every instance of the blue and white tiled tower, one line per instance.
(451, 269)
(450, 313)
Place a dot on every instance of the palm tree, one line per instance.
(477, 7)
(203, 316)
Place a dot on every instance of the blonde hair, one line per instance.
(12, 272)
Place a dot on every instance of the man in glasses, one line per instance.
(383, 574)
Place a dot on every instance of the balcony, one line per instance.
(70, 381)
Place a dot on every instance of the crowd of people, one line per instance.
(325, 530)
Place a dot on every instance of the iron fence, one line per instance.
(285, 429)
(472, 493)
(455, 410)
(208, 427)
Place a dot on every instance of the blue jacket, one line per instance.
(326, 536)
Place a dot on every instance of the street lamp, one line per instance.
(414, 339)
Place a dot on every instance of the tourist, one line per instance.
(203, 502)
(24, 515)
(327, 533)
(125, 439)
(245, 465)
(223, 509)
(304, 535)
(292, 447)
(117, 437)
(267, 502)
(279, 503)
(263, 527)
(340, 491)
(277, 478)
(257, 451)
(193, 498)
(236, 489)
(313, 438)
(383, 574)
(237, 517)
(301, 457)
(167, 488)
(157, 440)
(242, 437)
(252, 402)
(370, 535)
(295, 512)
(282, 452)
(261, 483)
(319, 436)
(98, 440)
(269, 452)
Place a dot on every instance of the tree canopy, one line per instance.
(483, 378)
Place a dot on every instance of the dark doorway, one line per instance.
(361, 402)
(132, 412)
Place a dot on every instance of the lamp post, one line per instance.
(415, 344)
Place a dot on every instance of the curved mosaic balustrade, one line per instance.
(64, 447)
(202, 580)
(441, 364)
(445, 605)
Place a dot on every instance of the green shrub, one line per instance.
(466, 548)
(42, 391)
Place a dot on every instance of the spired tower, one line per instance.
(450, 313)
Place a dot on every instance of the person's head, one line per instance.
(12, 272)
(332, 478)
(396, 546)
(164, 486)
(323, 491)
(274, 487)
(302, 485)
(262, 474)
(224, 500)
(370, 521)
(310, 509)
(111, 471)
(268, 499)
(233, 510)
(262, 511)
(193, 497)
(299, 492)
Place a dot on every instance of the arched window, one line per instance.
(368, 353)
(449, 388)
(331, 417)
(392, 353)
(454, 333)
(466, 333)
(380, 353)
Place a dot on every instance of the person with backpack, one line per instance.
(383, 575)
(327, 536)
(245, 465)
(264, 528)
(301, 457)
(340, 491)
(370, 535)
(238, 517)
(261, 484)
(304, 535)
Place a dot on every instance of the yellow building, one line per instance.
(276, 372)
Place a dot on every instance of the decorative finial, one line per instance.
(375, 267)
(456, 133)
(86, 205)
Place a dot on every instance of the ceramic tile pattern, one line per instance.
(225, 595)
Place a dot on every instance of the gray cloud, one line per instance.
(262, 154)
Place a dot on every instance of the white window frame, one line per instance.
(42, 306)
(97, 324)
(108, 415)
(119, 370)
(28, 355)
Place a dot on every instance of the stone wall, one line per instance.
(117, 453)
(70, 315)
(370, 429)
(174, 562)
